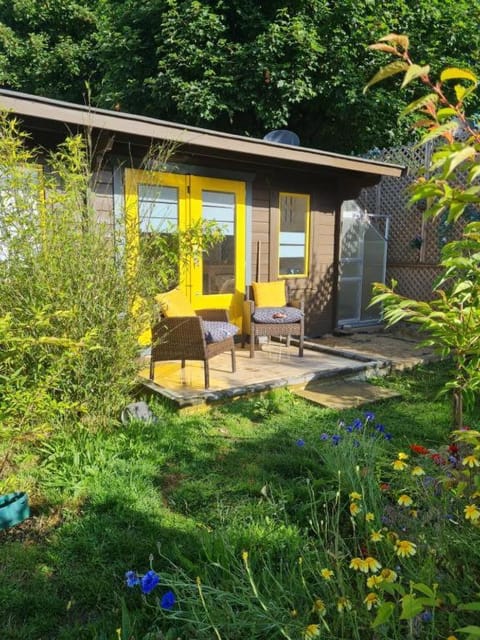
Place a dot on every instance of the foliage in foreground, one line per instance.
(452, 319)
(381, 552)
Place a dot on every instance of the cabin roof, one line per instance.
(38, 107)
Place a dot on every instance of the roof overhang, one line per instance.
(37, 107)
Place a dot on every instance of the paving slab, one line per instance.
(344, 394)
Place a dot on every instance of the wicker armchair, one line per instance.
(183, 338)
(280, 317)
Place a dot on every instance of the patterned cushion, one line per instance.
(277, 315)
(216, 331)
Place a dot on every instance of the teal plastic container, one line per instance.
(14, 508)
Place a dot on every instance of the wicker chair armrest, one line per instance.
(298, 304)
(219, 315)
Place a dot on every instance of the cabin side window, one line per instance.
(293, 237)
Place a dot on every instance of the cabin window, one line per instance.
(293, 241)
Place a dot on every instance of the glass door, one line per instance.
(159, 202)
(363, 254)
(218, 279)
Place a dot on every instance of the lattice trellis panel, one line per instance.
(414, 244)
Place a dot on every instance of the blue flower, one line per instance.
(168, 600)
(324, 436)
(427, 616)
(350, 429)
(149, 581)
(387, 436)
(356, 443)
(300, 442)
(132, 579)
(380, 428)
(357, 424)
(369, 415)
(336, 439)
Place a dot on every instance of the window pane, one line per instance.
(294, 210)
(219, 261)
(157, 207)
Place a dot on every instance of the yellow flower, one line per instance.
(388, 575)
(472, 512)
(404, 500)
(357, 564)
(369, 517)
(326, 574)
(355, 496)
(405, 548)
(452, 638)
(354, 508)
(319, 607)
(414, 513)
(342, 604)
(245, 556)
(418, 471)
(371, 600)
(312, 631)
(471, 461)
(294, 613)
(402, 456)
(376, 536)
(372, 564)
(374, 581)
(399, 465)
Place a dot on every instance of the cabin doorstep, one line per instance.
(288, 212)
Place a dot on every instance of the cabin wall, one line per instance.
(317, 290)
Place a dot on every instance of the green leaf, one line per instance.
(417, 105)
(473, 630)
(415, 71)
(454, 73)
(411, 607)
(423, 588)
(446, 112)
(470, 606)
(384, 612)
(386, 72)
(456, 159)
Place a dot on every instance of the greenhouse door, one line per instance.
(363, 257)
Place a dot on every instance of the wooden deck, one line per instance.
(276, 365)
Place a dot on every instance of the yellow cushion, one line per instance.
(175, 304)
(269, 294)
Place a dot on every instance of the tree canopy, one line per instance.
(239, 66)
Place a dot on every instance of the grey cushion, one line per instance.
(277, 315)
(216, 331)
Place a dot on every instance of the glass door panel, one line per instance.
(218, 280)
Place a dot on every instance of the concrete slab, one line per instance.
(343, 394)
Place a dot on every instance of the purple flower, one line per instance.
(168, 600)
(132, 579)
(336, 439)
(149, 581)
(324, 436)
(300, 442)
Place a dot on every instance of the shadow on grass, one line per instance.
(171, 483)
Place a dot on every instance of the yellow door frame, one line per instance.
(190, 191)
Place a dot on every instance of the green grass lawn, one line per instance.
(103, 501)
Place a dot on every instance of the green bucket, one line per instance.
(13, 509)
